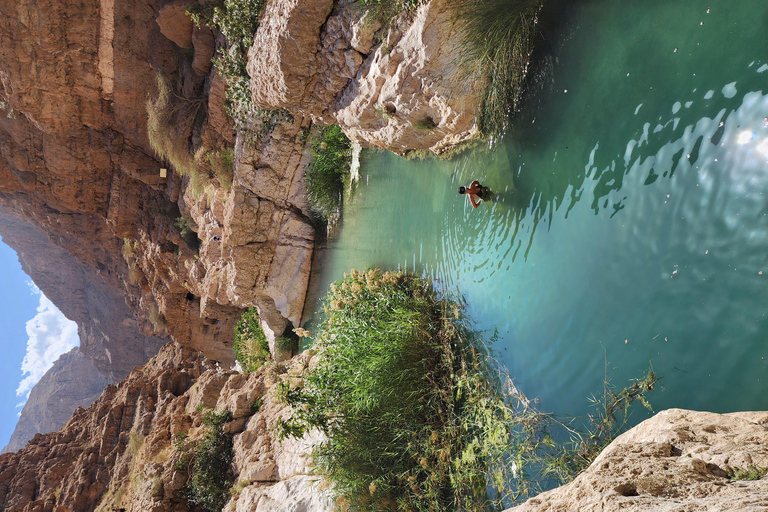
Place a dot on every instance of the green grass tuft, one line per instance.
(749, 473)
(497, 42)
(251, 346)
(426, 123)
(328, 171)
(387, 10)
(169, 125)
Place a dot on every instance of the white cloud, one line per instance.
(50, 335)
(33, 289)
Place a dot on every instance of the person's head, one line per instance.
(462, 190)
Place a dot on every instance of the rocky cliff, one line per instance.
(399, 87)
(125, 450)
(70, 383)
(77, 165)
(677, 460)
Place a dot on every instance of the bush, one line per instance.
(251, 346)
(414, 418)
(238, 21)
(169, 125)
(212, 475)
(328, 171)
(413, 406)
(497, 42)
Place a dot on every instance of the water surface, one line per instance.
(630, 223)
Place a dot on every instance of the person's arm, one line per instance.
(474, 184)
(474, 200)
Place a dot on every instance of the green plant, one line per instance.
(748, 473)
(552, 450)
(387, 10)
(238, 488)
(414, 418)
(187, 232)
(238, 21)
(170, 118)
(328, 170)
(251, 346)
(211, 470)
(184, 447)
(426, 123)
(414, 408)
(497, 41)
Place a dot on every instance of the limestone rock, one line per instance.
(124, 451)
(175, 24)
(408, 93)
(677, 460)
(70, 383)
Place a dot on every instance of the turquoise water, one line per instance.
(630, 222)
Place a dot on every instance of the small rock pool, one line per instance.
(630, 224)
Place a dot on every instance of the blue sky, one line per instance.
(34, 335)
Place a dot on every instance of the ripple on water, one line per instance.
(612, 222)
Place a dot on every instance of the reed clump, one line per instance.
(171, 120)
(497, 41)
(416, 411)
(328, 171)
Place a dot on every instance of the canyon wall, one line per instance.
(76, 161)
(128, 450)
(70, 383)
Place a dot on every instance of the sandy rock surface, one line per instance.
(678, 460)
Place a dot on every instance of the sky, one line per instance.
(35, 333)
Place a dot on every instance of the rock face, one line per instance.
(109, 333)
(409, 92)
(124, 450)
(677, 460)
(70, 383)
(77, 170)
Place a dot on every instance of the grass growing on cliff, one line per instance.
(251, 347)
(327, 172)
(497, 42)
(212, 475)
(415, 411)
(238, 21)
(387, 10)
(169, 124)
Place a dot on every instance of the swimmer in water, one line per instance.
(474, 192)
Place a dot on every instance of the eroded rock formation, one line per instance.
(78, 171)
(408, 92)
(70, 383)
(123, 451)
(677, 460)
